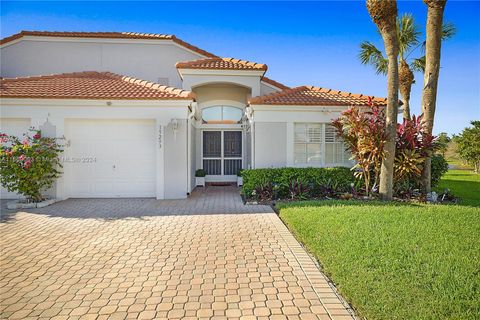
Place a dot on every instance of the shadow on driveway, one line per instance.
(202, 201)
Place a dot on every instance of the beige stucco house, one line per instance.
(140, 113)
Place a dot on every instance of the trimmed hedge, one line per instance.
(338, 179)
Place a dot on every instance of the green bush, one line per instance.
(439, 168)
(200, 173)
(317, 179)
(31, 165)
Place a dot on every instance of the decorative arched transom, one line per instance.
(222, 114)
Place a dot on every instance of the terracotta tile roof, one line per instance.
(109, 35)
(275, 83)
(308, 95)
(89, 85)
(221, 63)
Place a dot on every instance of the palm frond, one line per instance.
(408, 33)
(369, 54)
(448, 30)
(418, 64)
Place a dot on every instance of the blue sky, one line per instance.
(312, 43)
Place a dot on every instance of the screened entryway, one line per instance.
(222, 154)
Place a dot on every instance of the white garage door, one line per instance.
(110, 158)
(15, 127)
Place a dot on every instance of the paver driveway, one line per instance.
(208, 257)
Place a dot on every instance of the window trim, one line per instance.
(221, 120)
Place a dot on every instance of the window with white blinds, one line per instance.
(335, 152)
(316, 144)
(308, 143)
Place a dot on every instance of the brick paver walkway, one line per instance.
(146, 259)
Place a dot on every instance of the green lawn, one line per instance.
(399, 261)
(464, 184)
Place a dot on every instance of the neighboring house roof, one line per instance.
(308, 95)
(108, 35)
(89, 85)
(221, 63)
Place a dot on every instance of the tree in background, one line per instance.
(408, 36)
(433, 45)
(442, 143)
(468, 145)
(384, 15)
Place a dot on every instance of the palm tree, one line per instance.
(433, 44)
(384, 15)
(408, 36)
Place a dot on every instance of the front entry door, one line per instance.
(222, 154)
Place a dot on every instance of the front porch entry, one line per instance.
(222, 154)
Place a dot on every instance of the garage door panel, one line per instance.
(79, 171)
(135, 189)
(124, 158)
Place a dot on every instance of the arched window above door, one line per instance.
(222, 115)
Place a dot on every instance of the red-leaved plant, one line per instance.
(413, 145)
(363, 132)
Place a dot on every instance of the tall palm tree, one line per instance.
(433, 44)
(384, 15)
(408, 36)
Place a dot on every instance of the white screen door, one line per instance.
(222, 154)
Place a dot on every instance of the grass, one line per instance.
(463, 184)
(399, 261)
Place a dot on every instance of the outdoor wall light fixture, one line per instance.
(175, 125)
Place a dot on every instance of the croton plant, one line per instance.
(29, 165)
(363, 132)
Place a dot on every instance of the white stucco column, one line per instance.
(60, 185)
(53, 128)
(252, 132)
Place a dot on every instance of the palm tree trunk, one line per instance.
(432, 69)
(406, 79)
(386, 170)
(406, 105)
(384, 15)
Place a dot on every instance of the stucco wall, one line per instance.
(217, 92)
(148, 61)
(265, 89)
(270, 144)
(176, 167)
(171, 171)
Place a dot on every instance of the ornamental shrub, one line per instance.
(364, 136)
(200, 173)
(31, 165)
(439, 168)
(363, 132)
(313, 180)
